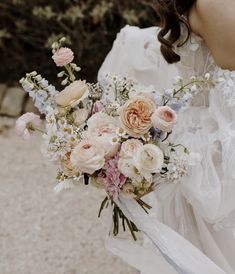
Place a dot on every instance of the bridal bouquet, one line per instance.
(114, 137)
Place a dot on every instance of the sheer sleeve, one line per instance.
(136, 54)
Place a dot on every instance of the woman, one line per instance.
(195, 37)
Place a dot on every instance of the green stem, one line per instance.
(71, 75)
(131, 229)
(102, 206)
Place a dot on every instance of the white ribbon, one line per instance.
(180, 255)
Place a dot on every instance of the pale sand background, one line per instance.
(45, 233)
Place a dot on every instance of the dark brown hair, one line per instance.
(171, 14)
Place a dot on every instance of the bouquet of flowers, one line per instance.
(113, 136)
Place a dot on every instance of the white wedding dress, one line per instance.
(201, 208)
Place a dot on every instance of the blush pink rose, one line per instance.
(63, 57)
(164, 118)
(27, 124)
(87, 157)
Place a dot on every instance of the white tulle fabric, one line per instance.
(201, 208)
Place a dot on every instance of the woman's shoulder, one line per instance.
(136, 54)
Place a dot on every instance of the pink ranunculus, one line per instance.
(25, 125)
(164, 118)
(63, 57)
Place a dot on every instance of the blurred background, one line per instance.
(41, 232)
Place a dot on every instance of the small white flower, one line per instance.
(38, 78)
(44, 83)
(194, 88)
(193, 78)
(207, 76)
(61, 74)
(178, 79)
(64, 82)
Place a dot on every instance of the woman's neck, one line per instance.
(214, 21)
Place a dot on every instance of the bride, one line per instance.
(195, 38)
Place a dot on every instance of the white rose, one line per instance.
(73, 94)
(87, 157)
(102, 128)
(128, 169)
(80, 116)
(130, 147)
(128, 190)
(149, 159)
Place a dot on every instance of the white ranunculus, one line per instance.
(149, 159)
(130, 147)
(128, 169)
(102, 128)
(87, 157)
(73, 94)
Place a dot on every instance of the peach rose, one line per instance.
(63, 57)
(164, 118)
(136, 115)
(72, 94)
(87, 157)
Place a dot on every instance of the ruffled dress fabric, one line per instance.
(201, 207)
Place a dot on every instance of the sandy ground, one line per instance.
(45, 233)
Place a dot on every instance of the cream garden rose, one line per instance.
(149, 159)
(130, 147)
(136, 115)
(164, 118)
(102, 128)
(73, 94)
(87, 157)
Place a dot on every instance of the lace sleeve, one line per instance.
(195, 57)
(136, 54)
